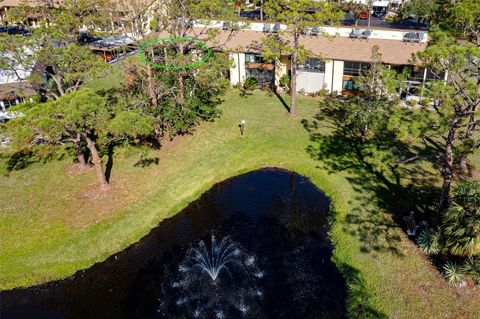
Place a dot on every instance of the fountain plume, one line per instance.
(216, 280)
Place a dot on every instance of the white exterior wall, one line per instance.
(328, 75)
(338, 77)
(310, 82)
(334, 76)
(237, 72)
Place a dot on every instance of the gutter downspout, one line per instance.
(333, 75)
(238, 60)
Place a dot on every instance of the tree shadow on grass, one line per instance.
(22, 159)
(109, 164)
(280, 98)
(146, 162)
(384, 192)
(19, 160)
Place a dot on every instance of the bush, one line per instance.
(472, 268)
(250, 83)
(429, 240)
(453, 273)
(461, 221)
(323, 92)
(285, 81)
(389, 18)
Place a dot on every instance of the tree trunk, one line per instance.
(181, 88)
(447, 169)
(151, 87)
(79, 153)
(97, 163)
(261, 10)
(59, 85)
(180, 77)
(293, 80)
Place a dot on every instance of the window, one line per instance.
(354, 68)
(5, 104)
(253, 58)
(262, 76)
(313, 65)
(432, 76)
(417, 75)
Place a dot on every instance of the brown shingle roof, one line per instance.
(20, 89)
(337, 48)
(32, 3)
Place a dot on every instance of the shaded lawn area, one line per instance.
(53, 222)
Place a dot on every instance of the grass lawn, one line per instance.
(53, 222)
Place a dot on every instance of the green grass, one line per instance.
(112, 77)
(47, 234)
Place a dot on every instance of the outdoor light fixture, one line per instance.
(242, 127)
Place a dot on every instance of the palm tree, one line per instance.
(461, 222)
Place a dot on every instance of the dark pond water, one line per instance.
(254, 246)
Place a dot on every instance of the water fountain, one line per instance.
(215, 280)
(218, 257)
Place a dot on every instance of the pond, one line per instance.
(253, 246)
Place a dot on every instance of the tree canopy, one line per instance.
(78, 118)
(301, 16)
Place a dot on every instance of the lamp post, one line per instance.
(242, 127)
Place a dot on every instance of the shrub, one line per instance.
(429, 240)
(285, 80)
(472, 268)
(389, 18)
(453, 273)
(323, 92)
(250, 83)
(461, 222)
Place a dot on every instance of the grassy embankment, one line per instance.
(53, 222)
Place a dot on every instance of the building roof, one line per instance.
(13, 90)
(112, 42)
(334, 48)
(31, 3)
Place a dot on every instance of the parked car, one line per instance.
(86, 38)
(379, 12)
(363, 15)
(15, 30)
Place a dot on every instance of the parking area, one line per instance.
(349, 20)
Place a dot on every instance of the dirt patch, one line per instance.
(76, 169)
(96, 204)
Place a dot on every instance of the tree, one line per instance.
(203, 88)
(464, 20)
(55, 49)
(136, 16)
(421, 9)
(180, 97)
(300, 15)
(455, 116)
(461, 222)
(355, 9)
(378, 81)
(78, 117)
(17, 58)
(68, 67)
(178, 18)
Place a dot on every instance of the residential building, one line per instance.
(342, 54)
